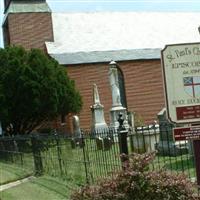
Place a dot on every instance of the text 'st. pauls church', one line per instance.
(85, 43)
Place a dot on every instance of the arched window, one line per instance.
(122, 87)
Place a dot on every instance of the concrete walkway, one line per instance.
(15, 183)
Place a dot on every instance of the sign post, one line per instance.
(181, 70)
(196, 144)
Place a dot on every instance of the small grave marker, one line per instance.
(107, 143)
(99, 143)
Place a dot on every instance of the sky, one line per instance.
(116, 5)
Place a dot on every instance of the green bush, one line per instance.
(136, 182)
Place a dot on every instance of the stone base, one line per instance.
(99, 127)
(114, 115)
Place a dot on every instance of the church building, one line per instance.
(85, 43)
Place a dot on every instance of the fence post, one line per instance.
(122, 135)
(196, 144)
(59, 151)
(84, 157)
(36, 149)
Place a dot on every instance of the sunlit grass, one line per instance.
(12, 172)
(41, 188)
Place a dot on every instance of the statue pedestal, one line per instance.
(114, 114)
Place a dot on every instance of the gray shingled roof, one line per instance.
(105, 36)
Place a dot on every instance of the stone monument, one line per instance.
(98, 120)
(77, 136)
(117, 107)
(166, 145)
(76, 126)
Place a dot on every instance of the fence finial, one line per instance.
(121, 122)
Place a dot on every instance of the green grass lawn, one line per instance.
(42, 188)
(12, 172)
(178, 164)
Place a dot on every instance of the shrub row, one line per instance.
(137, 182)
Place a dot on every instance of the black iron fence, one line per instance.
(92, 155)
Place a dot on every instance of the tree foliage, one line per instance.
(33, 89)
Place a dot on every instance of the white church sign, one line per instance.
(181, 70)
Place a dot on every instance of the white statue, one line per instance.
(117, 107)
(96, 98)
(114, 83)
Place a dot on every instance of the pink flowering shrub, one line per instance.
(136, 182)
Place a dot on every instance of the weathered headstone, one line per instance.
(99, 143)
(167, 145)
(103, 143)
(76, 126)
(98, 120)
(73, 143)
(77, 139)
(107, 143)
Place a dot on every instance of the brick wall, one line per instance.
(85, 76)
(143, 82)
(30, 30)
(144, 88)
